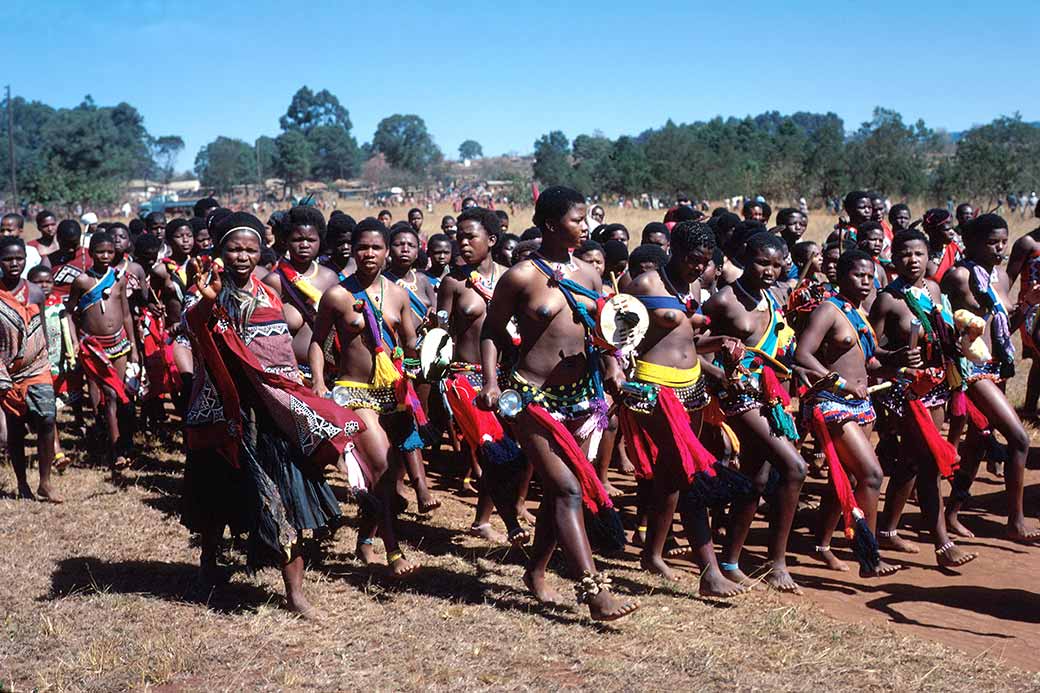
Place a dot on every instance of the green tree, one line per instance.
(87, 152)
(295, 157)
(406, 144)
(165, 150)
(552, 164)
(309, 110)
(995, 159)
(470, 149)
(225, 162)
(336, 154)
(630, 173)
(266, 155)
(887, 155)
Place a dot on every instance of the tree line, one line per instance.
(803, 154)
(87, 153)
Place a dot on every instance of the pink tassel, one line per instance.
(959, 403)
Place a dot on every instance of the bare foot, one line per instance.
(657, 566)
(954, 526)
(882, 570)
(401, 567)
(1020, 533)
(47, 495)
(536, 585)
(487, 532)
(827, 556)
(61, 462)
(894, 542)
(680, 552)
(519, 536)
(954, 557)
(607, 606)
(299, 605)
(427, 503)
(524, 515)
(779, 579)
(714, 584)
(365, 551)
(626, 466)
(737, 576)
(612, 490)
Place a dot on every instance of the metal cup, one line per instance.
(340, 395)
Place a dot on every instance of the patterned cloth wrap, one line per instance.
(686, 383)
(777, 341)
(839, 410)
(571, 402)
(893, 400)
(989, 370)
(25, 371)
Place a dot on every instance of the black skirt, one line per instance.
(276, 496)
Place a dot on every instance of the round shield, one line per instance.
(435, 354)
(623, 322)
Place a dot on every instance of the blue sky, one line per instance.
(504, 75)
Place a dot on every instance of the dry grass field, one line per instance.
(99, 594)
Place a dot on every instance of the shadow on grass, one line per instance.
(168, 581)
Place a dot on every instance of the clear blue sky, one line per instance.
(504, 75)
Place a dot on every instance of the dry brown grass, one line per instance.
(98, 595)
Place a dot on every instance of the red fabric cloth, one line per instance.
(950, 254)
(301, 406)
(593, 495)
(644, 452)
(943, 452)
(839, 479)
(99, 369)
(473, 423)
(157, 354)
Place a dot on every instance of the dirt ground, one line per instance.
(99, 594)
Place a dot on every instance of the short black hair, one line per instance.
(69, 229)
(43, 215)
(485, 217)
(154, 216)
(18, 219)
(763, 240)
(784, 215)
(147, 242)
(369, 225)
(896, 209)
(688, 236)
(852, 198)
(983, 225)
(802, 251)
(502, 216)
(36, 271)
(303, 215)
(340, 225)
(415, 209)
(173, 225)
(869, 226)
(553, 204)
(438, 238)
(648, 252)
(588, 247)
(8, 241)
(200, 208)
(652, 228)
(99, 237)
(136, 227)
(532, 234)
(850, 258)
(615, 251)
(908, 236)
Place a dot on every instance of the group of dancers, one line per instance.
(302, 345)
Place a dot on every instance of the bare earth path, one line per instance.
(98, 594)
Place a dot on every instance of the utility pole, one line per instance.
(10, 146)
